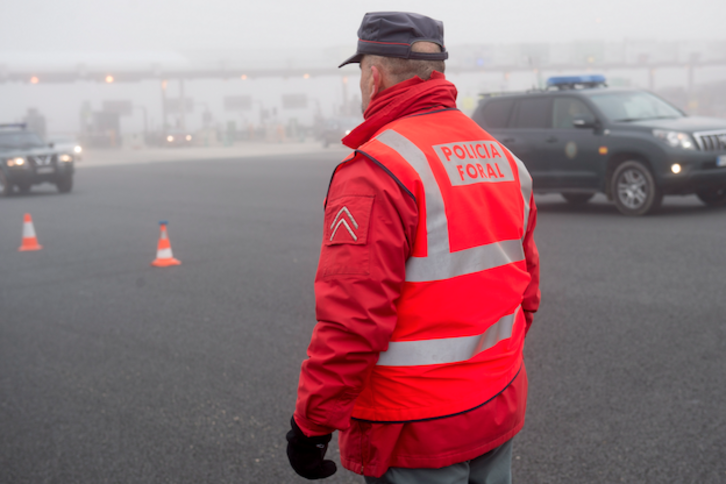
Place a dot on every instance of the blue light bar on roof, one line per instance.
(592, 80)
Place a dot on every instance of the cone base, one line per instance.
(25, 248)
(166, 262)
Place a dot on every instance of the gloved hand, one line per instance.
(306, 454)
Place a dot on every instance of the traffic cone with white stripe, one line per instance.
(164, 257)
(30, 241)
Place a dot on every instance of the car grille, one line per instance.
(711, 140)
(43, 160)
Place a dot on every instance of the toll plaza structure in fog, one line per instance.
(504, 59)
(245, 114)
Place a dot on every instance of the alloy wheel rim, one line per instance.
(718, 195)
(632, 188)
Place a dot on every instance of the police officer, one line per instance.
(427, 282)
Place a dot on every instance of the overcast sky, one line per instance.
(123, 25)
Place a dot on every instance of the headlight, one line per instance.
(19, 161)
(347, 132)
(65, 158)
(77, 149)
(675, 139)
(189, 137)
(170, 138)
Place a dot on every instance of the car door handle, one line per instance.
(551, 139)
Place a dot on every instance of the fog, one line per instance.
(69, 59)
(56, 25)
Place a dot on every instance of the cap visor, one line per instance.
(355, 59)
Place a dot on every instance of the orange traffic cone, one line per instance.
(30, 241)
(164, 257)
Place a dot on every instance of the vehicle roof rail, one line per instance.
(14, 125)
(485, 95)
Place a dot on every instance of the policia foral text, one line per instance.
(427, 282)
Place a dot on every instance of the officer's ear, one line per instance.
(375, 81)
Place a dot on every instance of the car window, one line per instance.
(533, 113)
(567, 109)
(495, 114)
(634, 106)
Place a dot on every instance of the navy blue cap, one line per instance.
(392, 34)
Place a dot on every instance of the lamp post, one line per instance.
(163, 108)
(146, 121)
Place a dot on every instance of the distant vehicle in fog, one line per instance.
(336, 129)
(178, 138)
(170, 139)
(27, 160)
(579, 137)
(69, 145)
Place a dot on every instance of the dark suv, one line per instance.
(26, 160)
(579, 137)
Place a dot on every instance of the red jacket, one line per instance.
(357, 285)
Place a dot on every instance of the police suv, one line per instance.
(26, 160)
(578, 137)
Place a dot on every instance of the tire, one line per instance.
(65, 184)
(577, 198)
(6, 188)
(634, 189)
(713, 198)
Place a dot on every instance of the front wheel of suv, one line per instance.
(578, 198)
(65, 183)
(713, 198)
(634, 189)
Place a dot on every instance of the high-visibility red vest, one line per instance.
(460, 331)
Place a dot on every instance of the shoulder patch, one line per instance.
(347, 219)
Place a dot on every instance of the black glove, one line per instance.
(306, 454)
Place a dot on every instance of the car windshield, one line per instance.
(20, 140)
(634, 106)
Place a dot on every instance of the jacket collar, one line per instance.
(404, 99)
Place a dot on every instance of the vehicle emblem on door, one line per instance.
(571, 150)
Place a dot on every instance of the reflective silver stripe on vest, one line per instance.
(444, 266)
(525, 182)
(441, 263)
(446, 350)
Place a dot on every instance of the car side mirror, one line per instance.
(585, 122)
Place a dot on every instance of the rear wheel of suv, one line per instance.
(6, 188)
(65, 183)
(634, 189)
(713, 198)
(578, 198)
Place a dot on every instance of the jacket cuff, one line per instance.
(528, 318)
(310, 428)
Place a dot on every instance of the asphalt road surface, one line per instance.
(112, 371)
